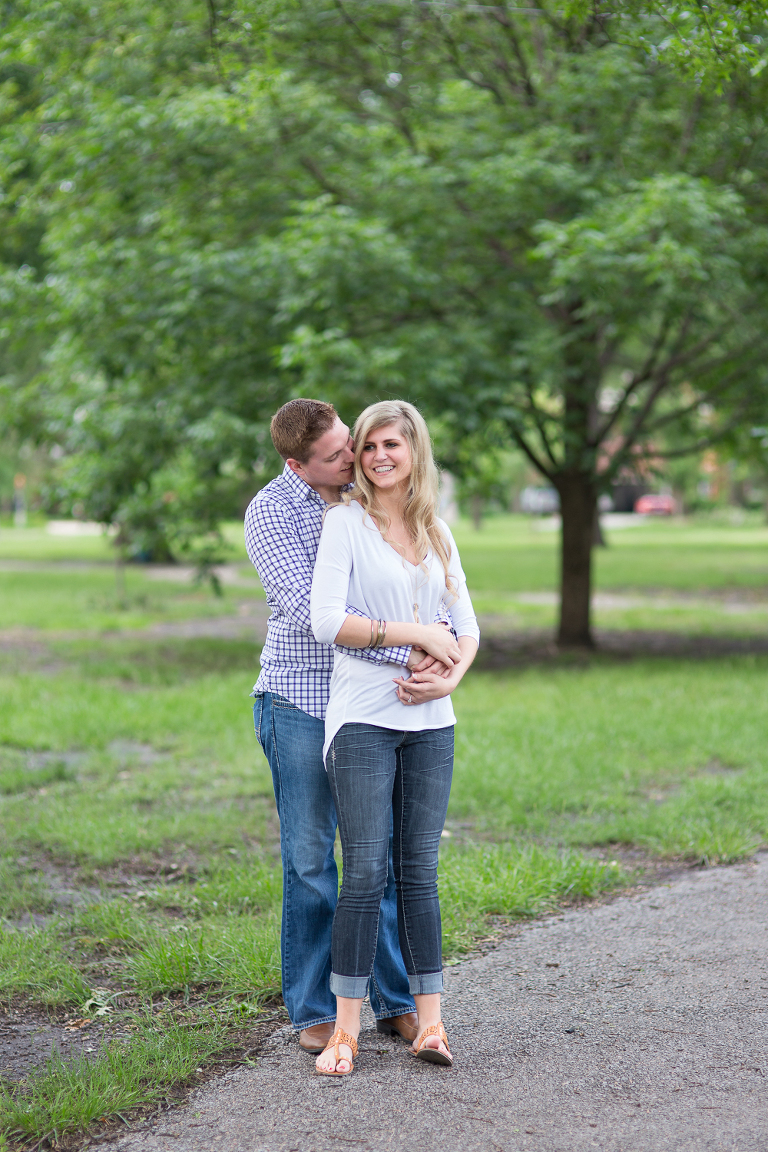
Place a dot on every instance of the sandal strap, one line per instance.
(433, 1030)
(341, 1037)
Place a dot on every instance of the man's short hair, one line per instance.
(298, 424)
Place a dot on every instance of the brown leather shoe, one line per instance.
(314, 1039)
(406, 1026)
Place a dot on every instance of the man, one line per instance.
(282, 531)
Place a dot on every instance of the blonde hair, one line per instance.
(420, 509)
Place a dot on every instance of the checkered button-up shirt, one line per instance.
(282, 533)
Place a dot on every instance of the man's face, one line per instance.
(330, 465)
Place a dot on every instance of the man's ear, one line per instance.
(295, 466)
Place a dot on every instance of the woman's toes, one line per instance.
(437, 1044)
(326, 1061)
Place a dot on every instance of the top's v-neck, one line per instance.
(392, 548)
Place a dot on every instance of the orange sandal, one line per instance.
(339, 1037)
(432, 1055)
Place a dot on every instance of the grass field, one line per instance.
(139, 879)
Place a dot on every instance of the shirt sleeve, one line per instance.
(330, 581)
(443, 616)
(276, 552)
(462, 612)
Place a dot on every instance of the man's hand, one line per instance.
(421, 661)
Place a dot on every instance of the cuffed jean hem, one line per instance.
(425, 985)
(353, 987)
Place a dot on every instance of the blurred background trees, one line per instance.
(544, 226)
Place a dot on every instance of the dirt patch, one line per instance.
(519, 649)
(29, 1036)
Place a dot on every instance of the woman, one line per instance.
(389, 740)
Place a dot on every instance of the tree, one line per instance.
(520, 219)
(582, 267)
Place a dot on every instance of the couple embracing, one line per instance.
(371, 630)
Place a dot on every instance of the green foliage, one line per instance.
(533, 224)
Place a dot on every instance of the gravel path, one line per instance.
(635, 1026)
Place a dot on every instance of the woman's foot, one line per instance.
(431, 1045)
(337, 1059)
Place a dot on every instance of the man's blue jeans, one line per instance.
(292, 741)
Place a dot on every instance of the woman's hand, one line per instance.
(438, 642)
(429, 685)
(423, 686)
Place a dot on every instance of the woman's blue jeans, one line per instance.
(374, 772)
(292, 741)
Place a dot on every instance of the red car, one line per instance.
(655, 506)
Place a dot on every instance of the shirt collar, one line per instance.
(300, 489)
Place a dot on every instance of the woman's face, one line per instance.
(386, 458)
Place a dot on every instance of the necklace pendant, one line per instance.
(416, 612)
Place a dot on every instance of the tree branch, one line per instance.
(685, 410)
(501, 17)
(308, 163)
(215, 52)
(456, 58)
(675, 360)
(538, 418)
(637, 379)
(707, 441)
(525, 447)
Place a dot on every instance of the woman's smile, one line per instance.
(386, 458)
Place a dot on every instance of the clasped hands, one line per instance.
(431, 678)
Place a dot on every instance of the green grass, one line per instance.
(36, 964)
(513, 554)
(35, 543)
(68, 1096)
(22, 891)
(129, 771)
(478, 881)
(670, 755)
(90, 599)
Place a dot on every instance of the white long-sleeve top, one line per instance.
(355, 565)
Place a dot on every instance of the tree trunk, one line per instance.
(578, 508)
